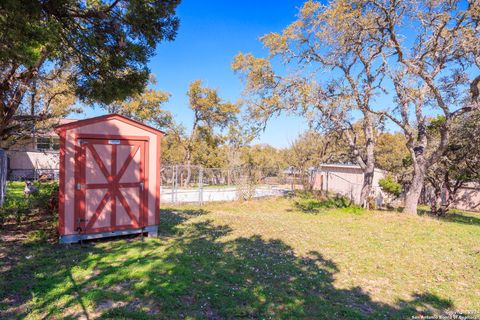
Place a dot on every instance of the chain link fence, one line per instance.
(33, 174)
(196, 184)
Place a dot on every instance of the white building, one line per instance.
(33, 156)
(345, 179)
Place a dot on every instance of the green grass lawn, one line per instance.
(17, 206)
(261, 259)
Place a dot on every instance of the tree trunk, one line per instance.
(189, 173)
(367, 186)
(12, 95)
(369, 162)
(420, 164)
(188, 152)
(415, 190)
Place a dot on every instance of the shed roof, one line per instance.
(84, 122)
(342, 165)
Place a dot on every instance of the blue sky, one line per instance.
(211, 33)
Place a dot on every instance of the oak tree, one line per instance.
(146, 106)
(331, 71)
(50, 97)
(310, 150)
(433, 71)
(210, 115)
(458, 166)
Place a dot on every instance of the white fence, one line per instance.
(212, 194)
(195, 184)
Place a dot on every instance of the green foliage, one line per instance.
(105, 44)
(311, 149)
(17, 206)
(172, 150)
(308, 203)
(109, 44)
(145, 106)
(264, 158)
(202, 145)
(390, 185)
(390, 152)
(208, 149)
(37, 237)
(209, 108)
(459, 164)
(299, 76)
(436, 123)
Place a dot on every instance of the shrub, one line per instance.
(390, 185)
(17, 206)
(37, 237)
(309, 204)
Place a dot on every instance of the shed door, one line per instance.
(110, 185)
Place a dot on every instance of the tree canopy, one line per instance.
(107, 44)
(333, 74)
(146, 106)
(459, 165)
(334, 61)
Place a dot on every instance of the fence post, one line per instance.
(3, 176)
(200, 186)
(173, 184)
(176, 184)
(327, 183)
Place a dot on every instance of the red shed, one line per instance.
(109, 178)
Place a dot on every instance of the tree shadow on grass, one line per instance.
(462, 218)
(454, 216)
(192, 271)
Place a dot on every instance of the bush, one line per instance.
(309, 204)
(17, 206)
(37, 237)
(390, 186)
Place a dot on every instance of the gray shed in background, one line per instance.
(345, 179)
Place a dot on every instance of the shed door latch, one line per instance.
(80, 186)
